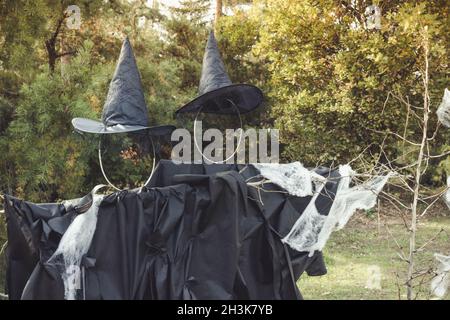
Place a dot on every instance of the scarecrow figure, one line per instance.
(125, 109)
(218, 95)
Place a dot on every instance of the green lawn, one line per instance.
(352, 252)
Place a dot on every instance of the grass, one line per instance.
(354, 251)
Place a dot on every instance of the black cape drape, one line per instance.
(195, 232)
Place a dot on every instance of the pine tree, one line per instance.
(187, 28)
(193, 10)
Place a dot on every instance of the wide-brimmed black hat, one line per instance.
(217, 93)
(125, 109)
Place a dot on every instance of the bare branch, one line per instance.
(431, 240)
(439, 155)
(397, 135)
(401, 254)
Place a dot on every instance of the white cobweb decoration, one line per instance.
(312, 230)
(443, 111)
(447, 193)
(74, 245)
(293, 177)
(441, 282)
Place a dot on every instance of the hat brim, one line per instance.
(246, 97)
(97, 127)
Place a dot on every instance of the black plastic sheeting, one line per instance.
(196, 232)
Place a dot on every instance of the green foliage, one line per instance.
(330, 77)
(237, 36)
(330, 83)
(25, 25)
(48, 161)
(193, 10)
(20, 24)
(51, 161)
(186, 40)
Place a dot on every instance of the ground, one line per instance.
(365, 245)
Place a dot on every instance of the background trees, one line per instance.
(326, 76)
(331, 83)
(330, 76)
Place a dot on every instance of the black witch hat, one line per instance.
(125, 109)
(217, 93)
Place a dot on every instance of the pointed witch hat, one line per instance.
(216, 90)
(125, 109)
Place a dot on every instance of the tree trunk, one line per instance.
(52, 55)
(50, 45)
(219, 6)
(65, 59)
(418, 175)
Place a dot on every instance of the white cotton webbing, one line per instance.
(443, 111)
(312, 230)
(447, 193)
(293, 177)
(74, 245)
(441, 282)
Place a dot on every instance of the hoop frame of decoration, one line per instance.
(215, 89)
(125, 109)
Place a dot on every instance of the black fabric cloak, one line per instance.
(195, 232)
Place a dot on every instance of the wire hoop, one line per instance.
(103, 171)
(240, 136)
